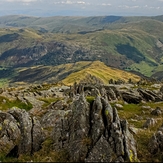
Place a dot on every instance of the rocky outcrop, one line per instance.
(93, 132)
(157, 111)
(148, 95)
(131, 97)
(19, 133)
(1, 90)
(150, 122)
(10, 134)
(156, 142)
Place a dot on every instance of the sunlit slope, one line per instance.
(134, 43)
(100, 71)
(70, 73)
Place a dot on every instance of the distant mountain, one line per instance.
(127, 43)
(63, 24)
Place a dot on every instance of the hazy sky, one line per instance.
(82, 7)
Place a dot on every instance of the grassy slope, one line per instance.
(69, 73)
(101, 71)
(139, 33)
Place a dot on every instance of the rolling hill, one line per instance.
(84, 71)
(127, 43)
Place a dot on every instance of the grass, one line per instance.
(90, 99)
(6, 104)
(101, 71)
(131, 112)
(144, 67)
(4, 83)
(48, 101)
(99, 43)
(45, 154)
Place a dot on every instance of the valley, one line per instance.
(127, 43)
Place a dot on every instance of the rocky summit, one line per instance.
(82, 123)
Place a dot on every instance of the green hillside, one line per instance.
(127, 43)
(83, 71)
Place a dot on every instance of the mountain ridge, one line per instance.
(127, 43)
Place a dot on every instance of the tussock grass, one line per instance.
(136, 116)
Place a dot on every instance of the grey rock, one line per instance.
(101, 152)
(148, 96)
(90, 132)
(10, 134)
(25, 121)
(112, 93)
(79, 129)
(150, 122)
(97, 124)
(37, 135)
(1, 90)
(157, 111)
(131, 97)
(119, 106)
(155, 144)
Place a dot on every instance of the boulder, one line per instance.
(112, 93)
(131, 97)
(1, 90)
(25, 122)
(155, 144)
(146, 95)
(150, 122)
(119, 106)
(10, 134)
(157, 111)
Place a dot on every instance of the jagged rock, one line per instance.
(112, 93)
(37, 135)
(10, 134)
(161, 89)
(102, 92)
(60, 133)
(30, 129)
(129, 143)
(156, 95)
(150, 122)
(155, 144)
(49, 119)
(25, 121)
(1, 90)
(157, 111)
(131, 97)
(148, 96)
(101, 152)
(117, 134)
(93, 132)
(95, 92)
(97, 125)
(79, 129)
(19, 133)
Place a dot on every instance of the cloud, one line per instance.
(82, 7)
(70, 2)
(106, 4)
(24, 1)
